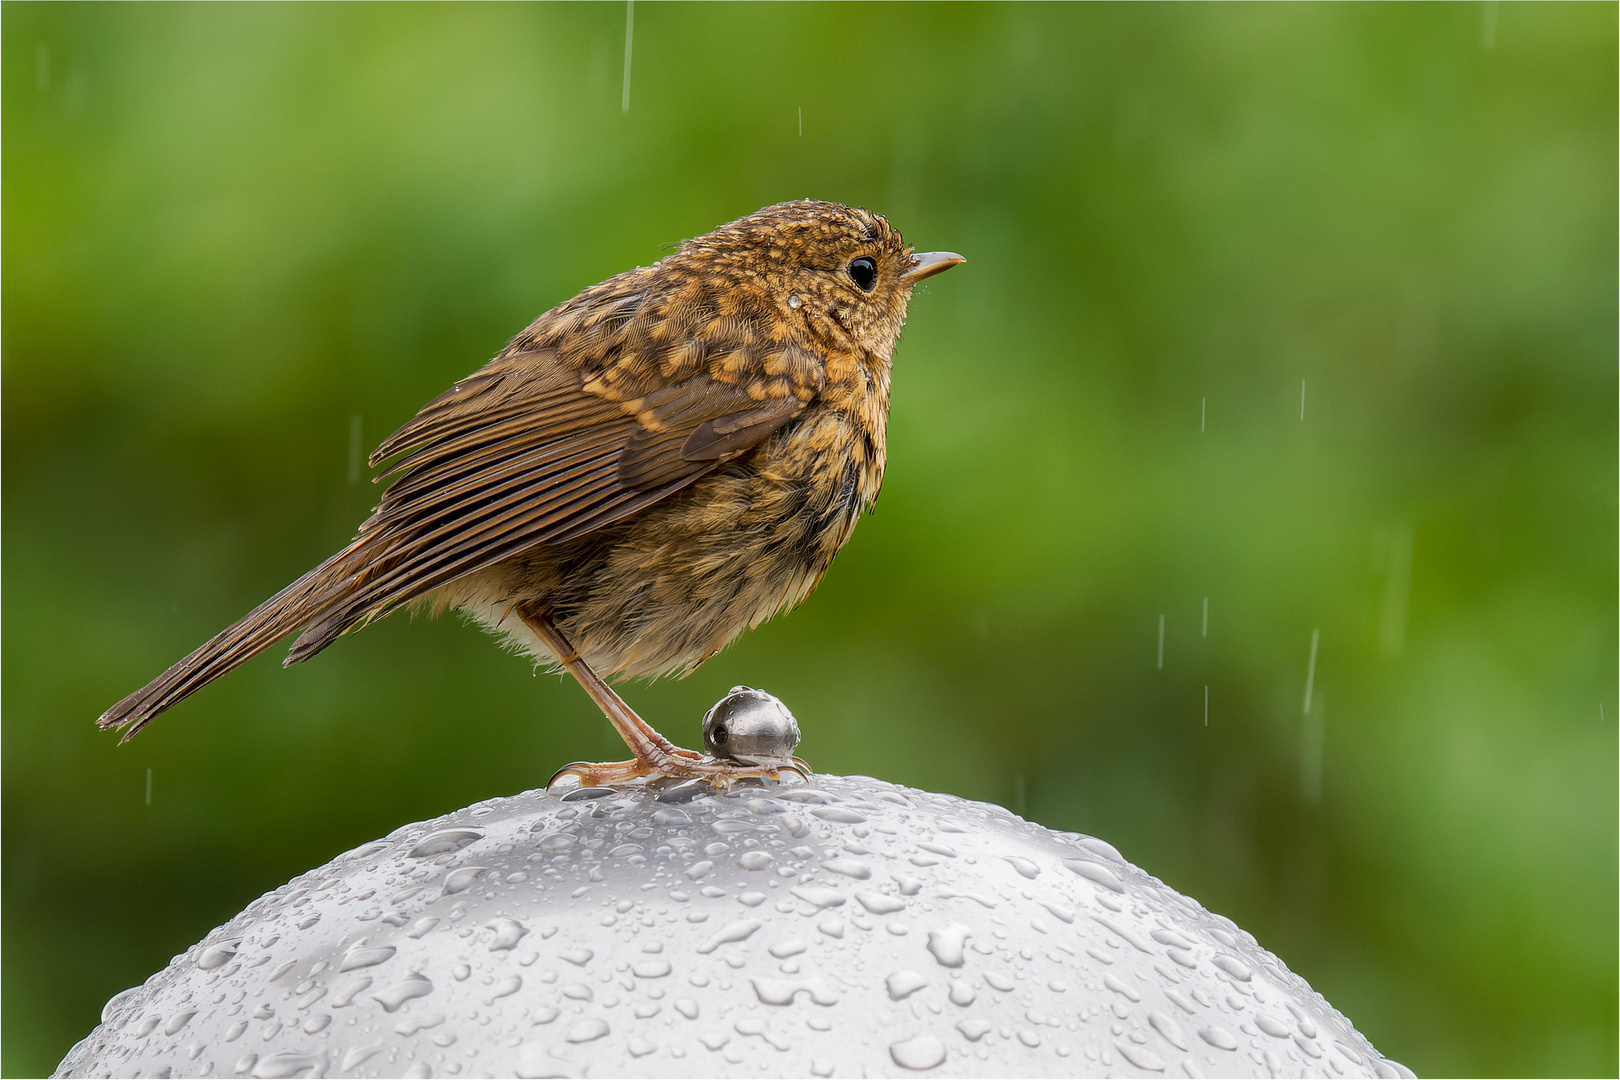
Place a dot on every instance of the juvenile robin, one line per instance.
(668, 458)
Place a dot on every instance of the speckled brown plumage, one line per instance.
(650, 468)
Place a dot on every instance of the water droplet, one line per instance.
(909, 886)
(588, 793)
(667, 816)
(1308, 1045)
(650, 969)
(1023, 866)
(973, 1030)
(833, 928)
(1233, 968)
(1123, 934)
(1218, 1037)
(736, 931)
(904, 983)
(1140, 1056)
(508, 932)
(640, 1047)
(794, 301)
(698, 869)
(577, 957)
(357, 1055)
(687, 1008)
(818, 896)
(922, 1052)
(962, 994)
(879, 904)
(754, 860)
(420, 1023)
(445, 840)
(359, 955)
(782, 991)
(180, 1020)
(1272, 1026)
(787, 949)
(392, 997)
(1305, 1023)
(1095, 872)
(147, 1025)
(937, 849)
(212, 957)
(837, 813)
(1119, 987)
(509, 985)
(287, 1063)
(1171, 938)
(576, 992)
(998, 981)
(852, 868)
(1100, 847)
(947, 944)
(350, 991)
(243, 1064)
(236, 1031)
(1169, 1029)
(462, 880)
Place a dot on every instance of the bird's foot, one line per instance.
(679, 766)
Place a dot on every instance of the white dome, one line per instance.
(843, 927)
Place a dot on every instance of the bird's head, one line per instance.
(841, 271)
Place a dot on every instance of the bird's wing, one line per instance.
(528, 452)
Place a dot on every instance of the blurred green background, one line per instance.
(233, 234)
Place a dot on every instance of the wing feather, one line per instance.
(527, 452)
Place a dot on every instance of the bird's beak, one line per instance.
(925, 264)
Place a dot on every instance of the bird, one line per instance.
(647, 470)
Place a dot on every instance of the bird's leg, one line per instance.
(651, 749)
(655, 755)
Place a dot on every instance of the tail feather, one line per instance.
(291, 609)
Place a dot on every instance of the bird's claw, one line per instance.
(680, 765)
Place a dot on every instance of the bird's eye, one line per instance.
(863, 272)
(721, 735)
